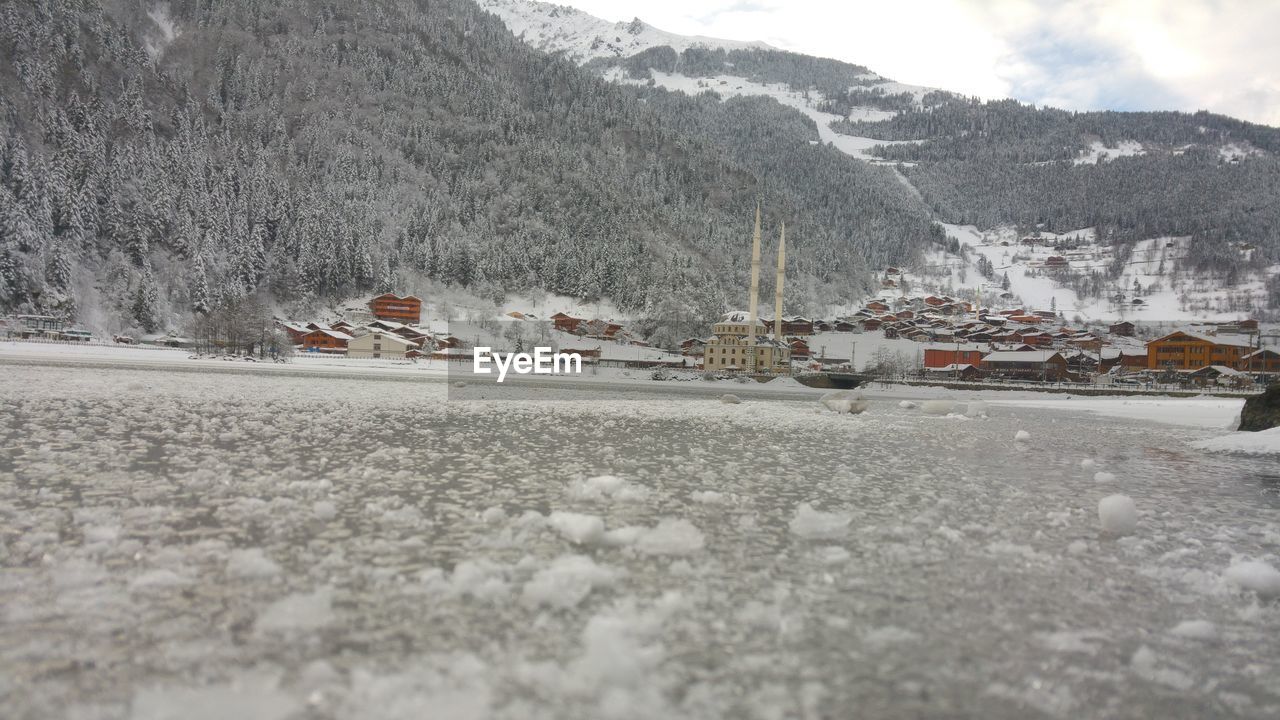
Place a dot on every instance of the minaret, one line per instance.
(777, 296)
(752, 317)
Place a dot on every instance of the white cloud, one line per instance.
(1218, 55)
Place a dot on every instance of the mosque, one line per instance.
(740, 342)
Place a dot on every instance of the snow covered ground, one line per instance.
(1153, 265)
(180, 545)
(583, 37)
(728, 86)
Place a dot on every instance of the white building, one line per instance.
(377, 345)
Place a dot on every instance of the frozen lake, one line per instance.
(186, 545)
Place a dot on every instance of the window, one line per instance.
(377, 346)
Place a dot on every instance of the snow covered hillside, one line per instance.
(1070, 272)
(583, 37)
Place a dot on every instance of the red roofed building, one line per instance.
(389, 306)
(565, 322)
(325, 341)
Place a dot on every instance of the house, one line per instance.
(1033, 365)
(843, 326)
(600, 329)
(389, 306)
(692, 346)
(937, 357)
(800, 349)
(871, 324)
(1265, 360)
(378, 345)
(1219, 375)
(1123, 328)
(797, 326)
(294, 330)
(325, 340)
(1133, 359)
(565, 322)
(877, 306)
(1191, 350)
(1055, 261)
(960, 371)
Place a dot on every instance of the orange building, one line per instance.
(1260, 361)
(388, 306)
(1189, 350)
(945, 357)
(326, 341)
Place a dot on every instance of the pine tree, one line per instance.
(145, 301)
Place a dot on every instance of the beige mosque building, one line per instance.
(739, 341)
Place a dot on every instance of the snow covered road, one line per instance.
(275, 546)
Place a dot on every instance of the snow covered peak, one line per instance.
(585, 37)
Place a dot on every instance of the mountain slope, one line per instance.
(159, 164)
(583, 37)
(1006, 167)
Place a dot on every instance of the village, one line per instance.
(893, 336)
(929, 339)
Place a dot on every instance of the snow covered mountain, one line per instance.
(583, 37)
(991, 172)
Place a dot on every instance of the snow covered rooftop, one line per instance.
(1036, 356)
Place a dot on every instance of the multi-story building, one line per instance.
(389, 306)
(735, 345)
(1190, 350)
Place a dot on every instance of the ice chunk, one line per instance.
(158, 579)
(324, 510)
(709, 497)
(671, 537)
(606, 486)
(907, 405)
(1087, 464)
(1021, 436)
(1255, 575)
(816, 525)
(299, 611)
(251, 563)
(937, 407)
(1146, 665)
(577, 528)
(566, 582)
(493, 515)
(1103, 477)
(250, 698)
(976, 409)
(480, 579)
(1077, 547)
(730, 399)
(1195, 630)
(622, 536)
(1118, 514)
(833, 554)
(844, 401)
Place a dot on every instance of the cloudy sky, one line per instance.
(1219, 55)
